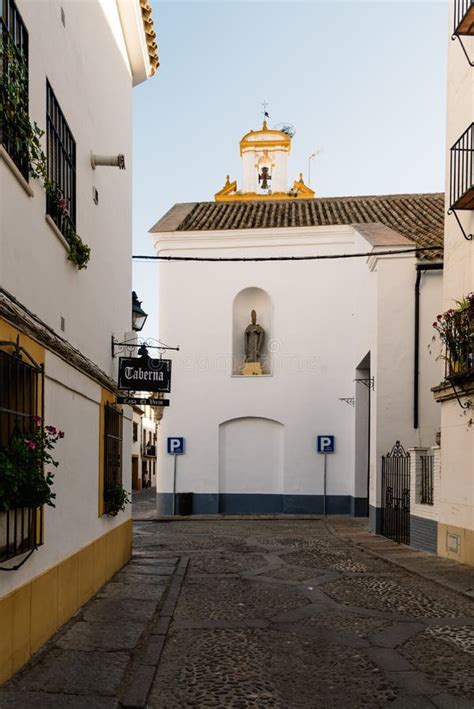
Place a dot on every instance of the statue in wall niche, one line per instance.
(254, 337)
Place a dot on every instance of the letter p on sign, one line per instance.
(176, 446)
(326, 444)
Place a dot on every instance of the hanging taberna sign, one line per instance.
(144, 374)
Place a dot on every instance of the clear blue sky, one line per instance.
(363, 82)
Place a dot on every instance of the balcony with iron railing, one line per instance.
(463, 17)
(461, 176)
(461, 365)
(149, 451)
(463, 24)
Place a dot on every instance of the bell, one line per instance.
(263, 178)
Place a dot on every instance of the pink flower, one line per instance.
(31, 444)
(60, 434)
(37, 420)
(63, 204)
(51, 429)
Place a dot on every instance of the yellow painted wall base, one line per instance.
(32, 613)
(456, 543)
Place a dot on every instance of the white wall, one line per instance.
(93, 87)
(326, 316)
(92, 82)
(392, 363)
(457, 441)
(251, 456)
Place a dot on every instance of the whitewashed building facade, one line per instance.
(339, 350)
(452, 526)
(81, 62)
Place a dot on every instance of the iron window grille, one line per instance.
(426, 491)
(61, 159)
(13, 48)
(112, 454)
(21, 398)
(461, 175)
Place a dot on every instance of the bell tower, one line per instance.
(264, 154)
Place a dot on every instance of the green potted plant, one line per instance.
(117, 498)
(24, 482)
(455, 328)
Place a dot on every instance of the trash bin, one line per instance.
(184, 503)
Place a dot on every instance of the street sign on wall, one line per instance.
(326, 444)
(144, 374)
(176, 445)
(140, 401)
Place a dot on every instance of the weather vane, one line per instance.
(265, 112)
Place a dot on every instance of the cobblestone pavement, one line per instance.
(290, 614)
(256, 613)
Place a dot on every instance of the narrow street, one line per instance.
(256, 613)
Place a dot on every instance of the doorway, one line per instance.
(362, 437)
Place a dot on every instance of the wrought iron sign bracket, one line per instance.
(457, 36)
(369, 383)
(348, 400)
(468, 237)
(143, 346)
(466, 405)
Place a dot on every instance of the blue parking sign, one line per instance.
(326, 444)
(176, 446)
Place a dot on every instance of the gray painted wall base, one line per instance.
(424, 534)
(236, 503)
(375, 519)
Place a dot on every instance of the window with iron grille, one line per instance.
(21, 397)
(61, 156)
(113, 455)
(135, 432)
(13, 71)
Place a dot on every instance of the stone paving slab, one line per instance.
(100, 636)
(110, 609)
(76, 672)
(89, 661)
(131, 591)
(447, 572)
(13, 699)
(275, 635)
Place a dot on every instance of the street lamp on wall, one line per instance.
(138, 314)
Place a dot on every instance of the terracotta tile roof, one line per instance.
(150, 35)
(30, 324)
(418, 217)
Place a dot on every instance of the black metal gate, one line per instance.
(396, 494)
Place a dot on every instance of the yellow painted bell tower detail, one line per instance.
(264, 156)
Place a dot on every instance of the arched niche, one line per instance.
(251, 456)
(244, 302)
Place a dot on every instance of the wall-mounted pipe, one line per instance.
(420, 269)
(108, 161)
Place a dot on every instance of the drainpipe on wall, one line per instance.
(420, 269)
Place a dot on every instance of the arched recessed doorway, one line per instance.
(251, 465)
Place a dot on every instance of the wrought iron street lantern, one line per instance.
(138, 314)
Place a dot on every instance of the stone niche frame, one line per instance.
(245, 301)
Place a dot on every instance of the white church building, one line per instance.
(342, 349)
